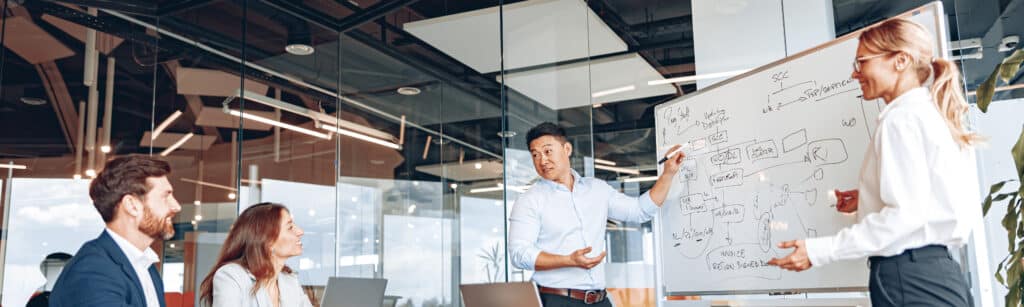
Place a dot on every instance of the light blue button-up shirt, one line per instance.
(550, 218)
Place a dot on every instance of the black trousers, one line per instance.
(552, 300)
(925, 276)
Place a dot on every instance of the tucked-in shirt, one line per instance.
(141, 261)
(918, 187)
(550, 218)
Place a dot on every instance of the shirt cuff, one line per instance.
(647, 205)
(527, 258)
(819, 250)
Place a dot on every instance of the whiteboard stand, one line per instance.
(682, 270)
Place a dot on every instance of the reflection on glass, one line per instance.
(48, 216)
(312, 208)
(482, 240)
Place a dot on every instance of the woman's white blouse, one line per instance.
(917, 187)
(232, 287)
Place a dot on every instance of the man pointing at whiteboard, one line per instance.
(557, 227)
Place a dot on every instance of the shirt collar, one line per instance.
(911, 95)
(136, 256)
(576, 181)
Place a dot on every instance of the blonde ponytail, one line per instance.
(903, 35)
(949, 98)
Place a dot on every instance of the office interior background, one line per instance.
(393, 130)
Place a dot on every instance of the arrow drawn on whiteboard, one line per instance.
(791, 86)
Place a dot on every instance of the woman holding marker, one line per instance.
(918, 190)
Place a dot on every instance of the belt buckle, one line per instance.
(591, 297)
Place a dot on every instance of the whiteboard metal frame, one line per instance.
(943, 51)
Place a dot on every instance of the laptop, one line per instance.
(516, 294)
(354, 292)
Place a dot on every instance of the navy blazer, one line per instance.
(101, 275)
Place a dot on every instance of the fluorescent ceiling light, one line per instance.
(499, 187)
(641, 179)
(177, 144)
(210, 184)
(164, 124)
(693, 79)
(13, 166)
(280, 124)
(316, 116)
(613, 91)
(605, 162)
(618, 169)
(360, 136)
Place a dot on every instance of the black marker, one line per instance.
(684, 146)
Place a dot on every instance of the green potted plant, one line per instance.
(1013, 220)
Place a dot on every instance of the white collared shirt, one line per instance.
(917, 187)
(141, 261)
(550, 218)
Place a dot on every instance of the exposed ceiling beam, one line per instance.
(181, 6)
(134, 7)
(195, 103)
(57, 91)
(378, 10)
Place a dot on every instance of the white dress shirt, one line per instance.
(141, 261)
(917, 187)
(550, 218)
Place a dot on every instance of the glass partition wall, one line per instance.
(394, 131)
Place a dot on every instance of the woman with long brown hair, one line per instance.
(918, 192)
(250, 270)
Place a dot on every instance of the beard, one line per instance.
(157, 228)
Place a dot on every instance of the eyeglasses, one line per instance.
(857, 61)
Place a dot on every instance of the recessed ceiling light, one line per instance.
(408, 91)
(33, 101)
(299, 49)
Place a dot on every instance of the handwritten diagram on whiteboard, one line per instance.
(765, 152)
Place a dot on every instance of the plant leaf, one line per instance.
(1003, 196)
(998, 186)
(987, 204)
(1013, 273)
(1013, 297)
(1010, 65)
(1010, 224)
(999, 273)
(1018, 158)
(986, 89)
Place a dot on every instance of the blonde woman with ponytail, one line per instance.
(918, 190)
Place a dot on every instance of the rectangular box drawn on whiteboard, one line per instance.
(728, 156)
(762, 150)
(730, 178)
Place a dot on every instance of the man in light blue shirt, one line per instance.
(557, 228)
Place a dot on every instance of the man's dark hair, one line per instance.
(545, 128)
(124, 176)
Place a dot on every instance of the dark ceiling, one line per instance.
(377, 57)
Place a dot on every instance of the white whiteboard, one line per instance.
(768, 147)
